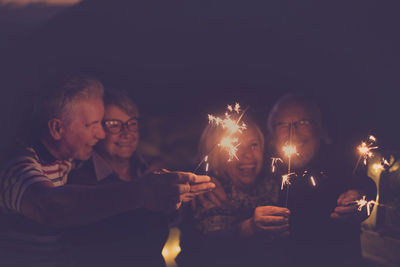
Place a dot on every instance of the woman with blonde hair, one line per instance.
(242, 225)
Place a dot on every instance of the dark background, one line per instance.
(184, 59)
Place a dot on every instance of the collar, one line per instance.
(43, 153)
(101, 168)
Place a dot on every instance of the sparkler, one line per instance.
(286, 180)
(229, 143)
(364, 203)
(313, 181)
(231, 146)
(289, 150)
(365, 151)
(274, 161)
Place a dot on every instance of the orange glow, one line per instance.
(289, 150)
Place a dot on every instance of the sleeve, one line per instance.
(16, 176)
(216, 220)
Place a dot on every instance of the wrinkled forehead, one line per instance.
(293, 111)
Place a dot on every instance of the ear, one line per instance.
(55, 128)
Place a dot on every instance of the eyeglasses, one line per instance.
(116, 126)
(300, 124)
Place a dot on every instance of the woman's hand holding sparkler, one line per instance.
(267, 220)
(347, 209)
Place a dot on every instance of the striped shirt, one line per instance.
(24, 242)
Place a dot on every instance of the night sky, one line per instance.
(183, 59)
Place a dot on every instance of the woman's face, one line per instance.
(122, 134)
(244, 170)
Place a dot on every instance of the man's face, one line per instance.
(122, 135)
(83, 130)
(244, 170)
(305, 135)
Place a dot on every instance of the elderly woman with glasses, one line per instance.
(131, 239)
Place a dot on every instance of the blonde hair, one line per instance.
(210, 138)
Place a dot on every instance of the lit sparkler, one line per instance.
(232, 127)
(231, 146)
(289, 150)
(207, 164)
(364, 203)
(286, 179)
(365, 150)
(313, 181)
(229, 143)
(274, 161)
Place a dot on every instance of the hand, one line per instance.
(346, 208)
(199, 185)
(269, 220)
(166, 190)
(214, 198)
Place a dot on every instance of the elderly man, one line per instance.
(325, 221)
(34, 198)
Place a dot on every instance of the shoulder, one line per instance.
(26, 157)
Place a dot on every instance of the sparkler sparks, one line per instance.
(231, 146)
(229, 143)
(365, 150)
(364, 203)
(286, 179)
(274, 161)
(313, 181)
(289, 150)
(366, 147)
(207, 164)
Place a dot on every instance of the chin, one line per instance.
(84, 156)
(247, 180)
(124, 154)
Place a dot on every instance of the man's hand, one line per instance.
(165, 191)
(346, 208)
(267, 220)
(214, 198)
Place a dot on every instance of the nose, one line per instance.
(100, 134)
(247, 152)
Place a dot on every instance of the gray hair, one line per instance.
(292, 99)
(61, 94)
(121, 99)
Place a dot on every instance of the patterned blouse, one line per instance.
(238, 206)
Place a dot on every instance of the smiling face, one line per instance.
(121, 144)
(305, 135)
(83, 129)
(244, 170)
